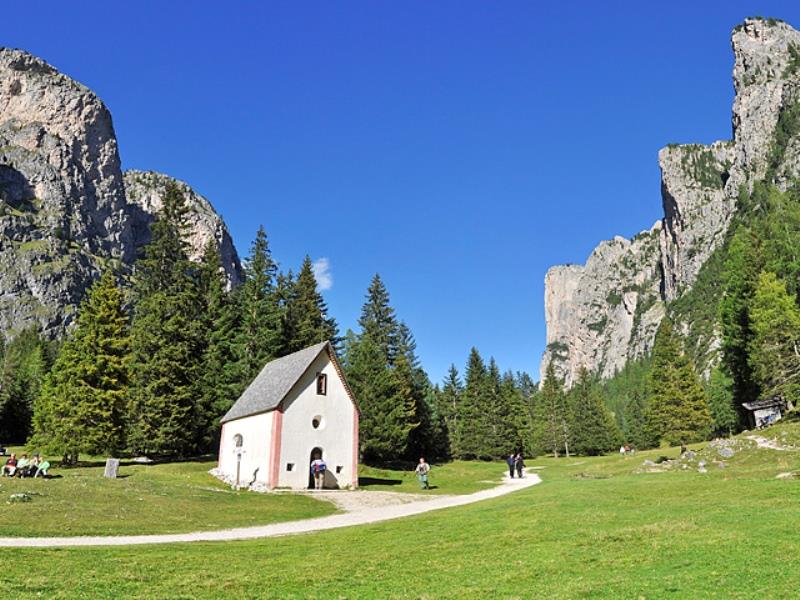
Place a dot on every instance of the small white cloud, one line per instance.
(322, 273)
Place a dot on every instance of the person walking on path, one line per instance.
(519, 464)
(318, 468)
(422, 471)
(510, 460)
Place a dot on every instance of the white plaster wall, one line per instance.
(256, 432)
(335, 437)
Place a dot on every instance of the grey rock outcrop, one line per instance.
(62, 203)
(145, 192)
(604, 313)
(700, 186)
(64, 214)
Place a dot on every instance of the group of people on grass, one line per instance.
(515, 464)
(626, 450)
(25, 467)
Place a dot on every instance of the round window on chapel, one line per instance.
(316, 422)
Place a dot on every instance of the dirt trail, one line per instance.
(384, 509)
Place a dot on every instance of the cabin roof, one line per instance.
(276, 380)
(764, 403)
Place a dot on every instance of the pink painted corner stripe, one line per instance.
(275, 449)
(355, 449)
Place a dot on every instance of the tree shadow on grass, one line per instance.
(364, 482)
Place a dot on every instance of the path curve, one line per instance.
(363, 517)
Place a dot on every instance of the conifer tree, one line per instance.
(593, 430)
(378, 320)
(82, 405)
(386, 413)
(307, 322)
(449, 407)
(720, 401)
(261, 336)
(24, 363)
(516, 417)
(740, 278)
(633, 421)
(678, 409)
(167, 340)
(474, 429)
(774, 350)
(428, 437)
(222, 376)
(551, 426)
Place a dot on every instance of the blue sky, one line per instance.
(457, 148)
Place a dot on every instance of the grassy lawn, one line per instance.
(160, 498)
(180, 497)
(457, 477)
(595, 528)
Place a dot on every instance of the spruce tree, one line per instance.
(516, 417)
(167, 340)
(448, 402)
(307, 322)
(25, 362)
(633, 432)
(474, 427)
(501, 431)
(386, 412)
(739, 282)
(260, 338)
(720, 401)
(593, 429)
(82, 406)
(222, 376)
(551, 417)
(774, 354)
(378, 320)
(428, 438)
(678, 409)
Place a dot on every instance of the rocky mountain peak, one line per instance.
(64, 212)
(145, 192)
(700, 185)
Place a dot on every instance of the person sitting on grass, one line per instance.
(11, 465)
(29, 470)
(22, 465)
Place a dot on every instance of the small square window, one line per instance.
(289, 466)
(322, 384)
(339, 469)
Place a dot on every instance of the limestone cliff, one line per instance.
(145, 192)
(64, 213)
(587, 309)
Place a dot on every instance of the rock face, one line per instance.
(145, 192)
(62, 199)
(64, 214)
(604, 313)
(591, 311)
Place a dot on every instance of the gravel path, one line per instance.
(363, 516)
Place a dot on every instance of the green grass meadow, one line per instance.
(158, 498)
(595, 528)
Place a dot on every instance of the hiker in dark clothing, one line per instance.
(519, 464)
(510, 461)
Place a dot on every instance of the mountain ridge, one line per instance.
(67, 212)
(602, 314)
